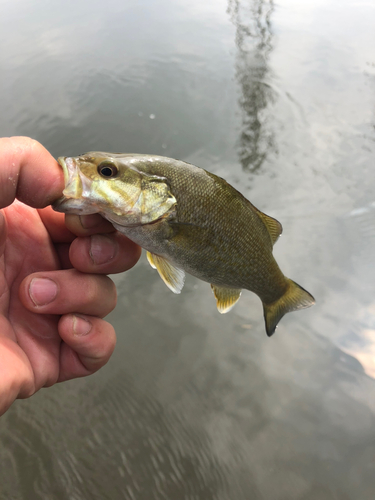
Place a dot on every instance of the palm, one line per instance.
(28, 249)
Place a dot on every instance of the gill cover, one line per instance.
(134, 197)
(155, 199)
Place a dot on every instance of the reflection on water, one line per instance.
(360, 339)
(362, 347)
(254, 44)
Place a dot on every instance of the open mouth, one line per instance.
(77, 195)
(69, 168)
(61, 161)
(71, 201)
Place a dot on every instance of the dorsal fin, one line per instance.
(225, 297)
(273, 226)
(172, 276)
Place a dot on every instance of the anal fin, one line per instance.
(172, 276)
(225, 297)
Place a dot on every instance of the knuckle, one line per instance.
(101, 289)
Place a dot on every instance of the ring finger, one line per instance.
(68, 291)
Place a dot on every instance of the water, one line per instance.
(279, 99)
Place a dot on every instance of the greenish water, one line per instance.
(278, 98)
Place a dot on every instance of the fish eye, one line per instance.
(107, 170)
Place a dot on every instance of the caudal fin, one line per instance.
(293, 299)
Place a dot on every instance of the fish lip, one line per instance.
(62, 162)
(73, 202)
(70, 205)
(59, 203)
(69, 200)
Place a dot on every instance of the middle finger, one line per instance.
(104, 253)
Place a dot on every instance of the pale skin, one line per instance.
(54, 290)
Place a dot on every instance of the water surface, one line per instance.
(279, 99)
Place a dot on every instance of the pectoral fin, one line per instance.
(225, 297)
(172, 276)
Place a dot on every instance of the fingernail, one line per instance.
(81, 326)
(42, 291)
(90, 221)
(102, 249)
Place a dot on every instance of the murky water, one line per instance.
(279, 98)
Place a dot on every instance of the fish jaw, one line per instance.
(77, 189)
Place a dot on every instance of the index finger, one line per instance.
(28, 172)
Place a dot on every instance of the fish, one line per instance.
(189, 221)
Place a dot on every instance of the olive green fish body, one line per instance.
(215, 235)
(188, 220)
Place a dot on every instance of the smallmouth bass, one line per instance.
(188, 220)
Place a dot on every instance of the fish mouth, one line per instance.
(62, 203)
(62, 162)
(76, 188)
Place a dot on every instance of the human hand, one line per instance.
(53, 288)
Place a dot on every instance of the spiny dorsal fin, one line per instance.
(273, 226)
(225, 297)
(173, 277)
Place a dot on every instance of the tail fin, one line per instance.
(293, 299)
